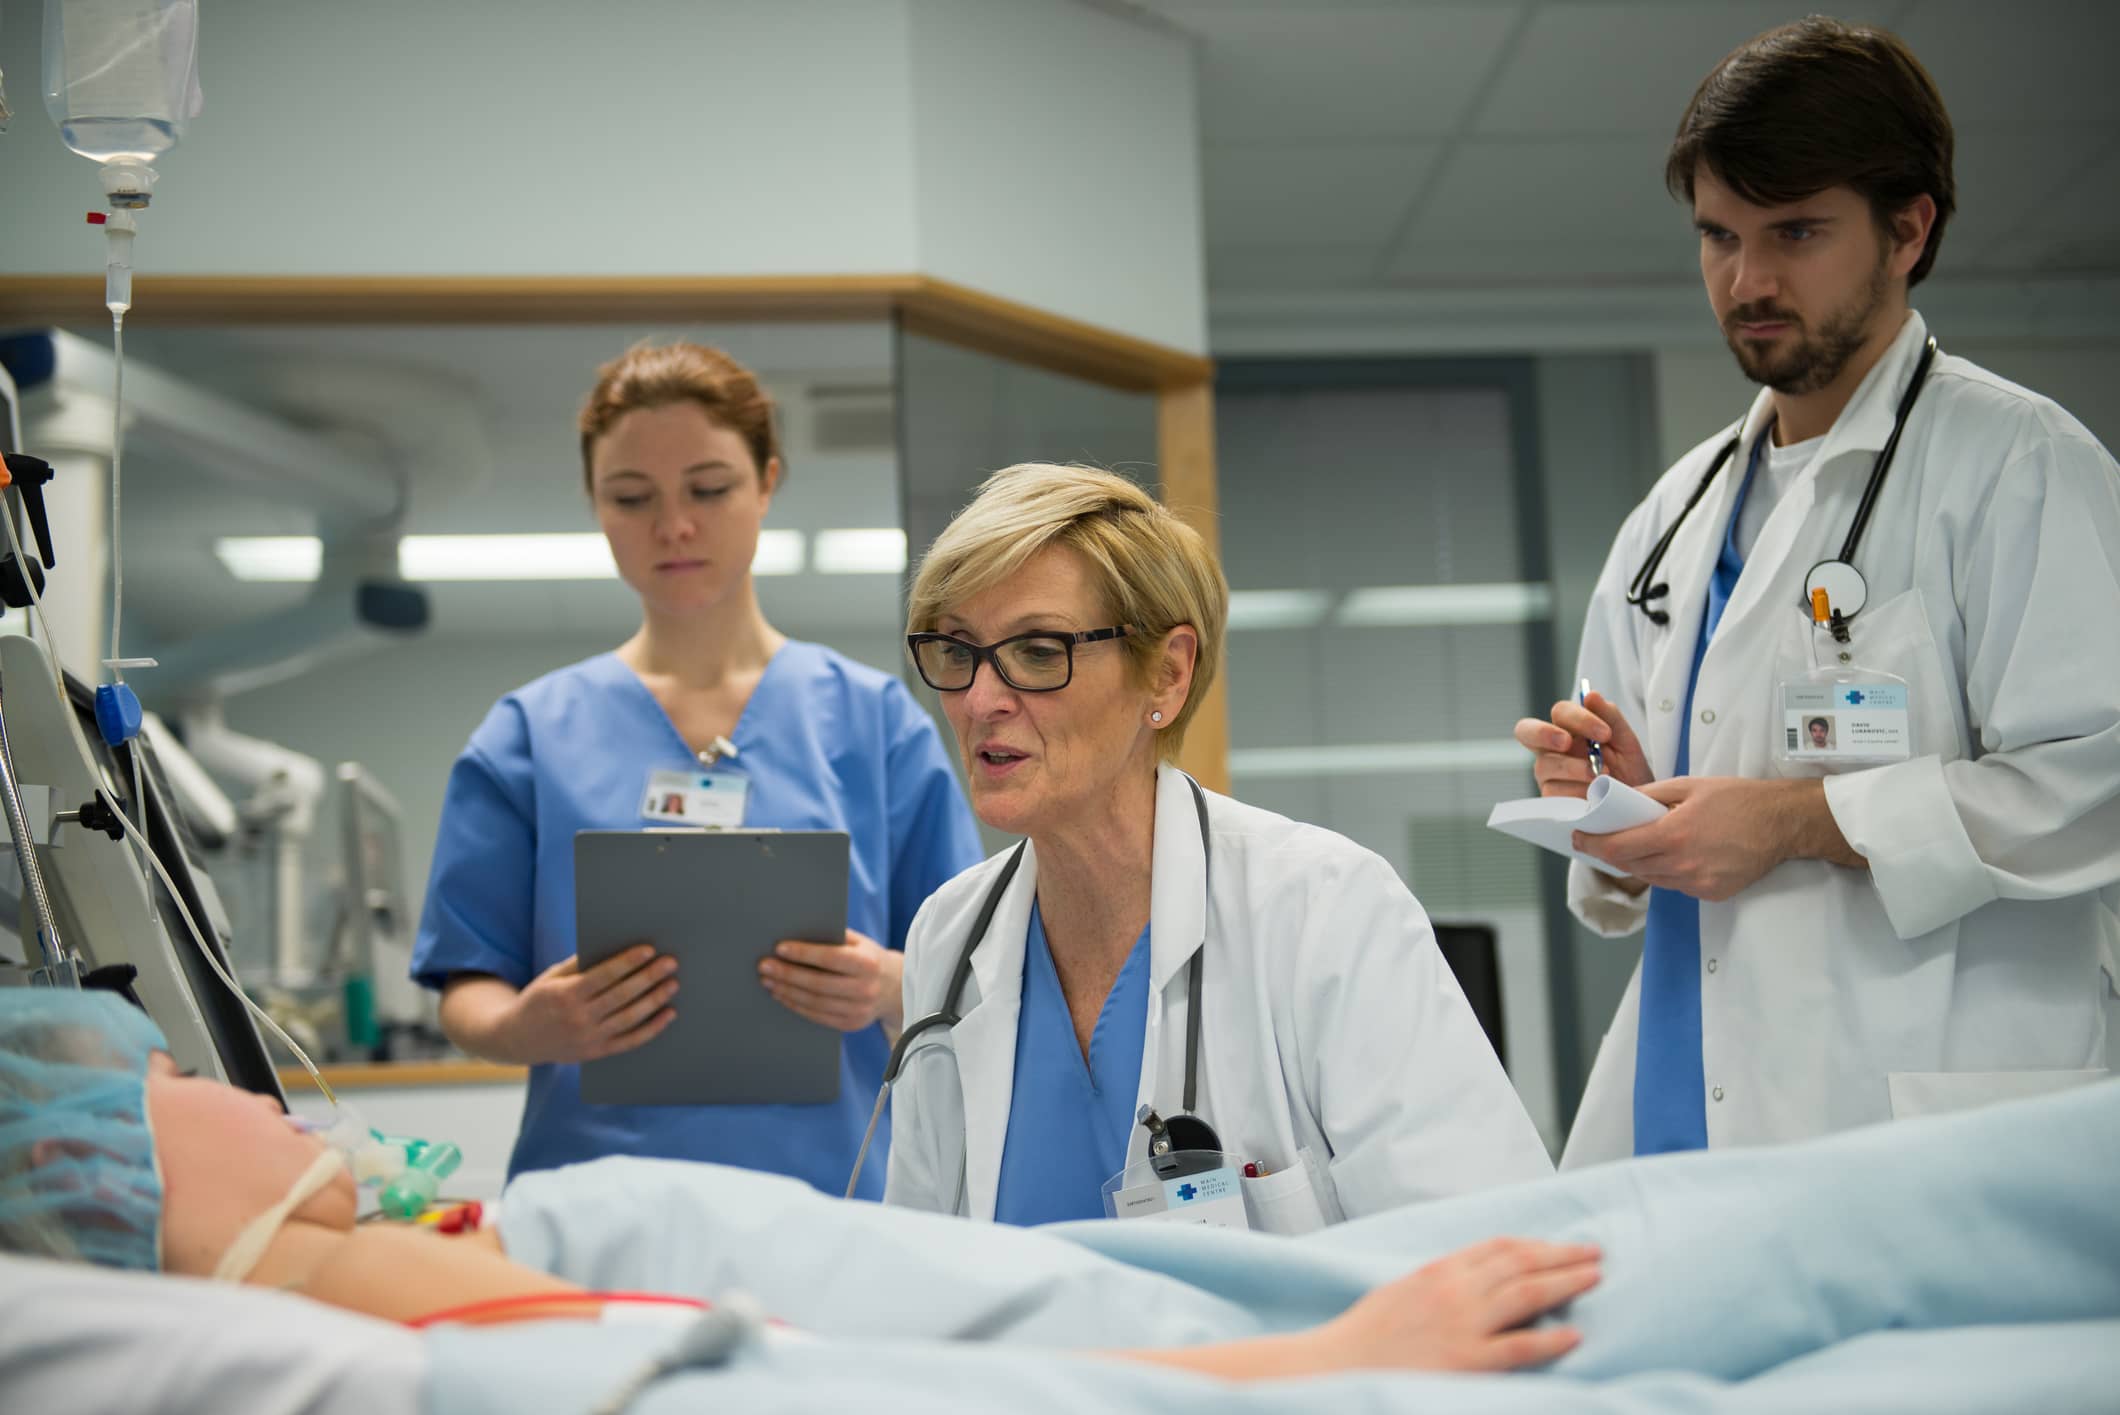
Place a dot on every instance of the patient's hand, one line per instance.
(1466, 1312)
(1463, 1313)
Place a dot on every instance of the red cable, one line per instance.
(524, 1303)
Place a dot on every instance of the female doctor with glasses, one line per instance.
(1155, 961)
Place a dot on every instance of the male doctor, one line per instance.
(1923, 916)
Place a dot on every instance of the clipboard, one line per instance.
(717, 901)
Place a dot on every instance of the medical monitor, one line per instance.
(105, 905)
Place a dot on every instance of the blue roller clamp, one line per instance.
(117, 713)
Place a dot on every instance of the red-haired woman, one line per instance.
(680, 459)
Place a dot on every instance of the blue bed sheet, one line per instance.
(1960, 1263)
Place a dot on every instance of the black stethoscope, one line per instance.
(1846, 591)
(1183, 1132)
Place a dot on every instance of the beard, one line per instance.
(1815, 358)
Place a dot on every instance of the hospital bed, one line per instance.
(1958, 1264)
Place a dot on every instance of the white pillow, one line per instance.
(81, 1338)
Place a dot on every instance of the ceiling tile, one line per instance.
(1616, 68)
(1336, 193)
(1297, 266)
(2029, 61)
(1591, 189)
(2009, 179)
(2078, 230)
(1544, 262)
(1322, 71)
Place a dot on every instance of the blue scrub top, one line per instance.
(1069, 1119)
(1670, 1100)
(828, 745)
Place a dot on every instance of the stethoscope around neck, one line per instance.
(1845, 589)
(1182, 1132)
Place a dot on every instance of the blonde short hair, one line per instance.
(1153, 571)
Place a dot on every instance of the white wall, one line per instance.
(1039, 150)
(1057, 158)
(497, 137)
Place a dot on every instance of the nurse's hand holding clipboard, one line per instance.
(844, 986)
(565, 1014)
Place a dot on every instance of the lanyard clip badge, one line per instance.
(711, 797)
(1841, 716)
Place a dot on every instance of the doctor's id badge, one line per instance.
(1845, 717)
(712, 799)
(1209, 1192)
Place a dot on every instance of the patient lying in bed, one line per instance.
(1729, 1266)
(107, 1153)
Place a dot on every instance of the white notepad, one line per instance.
(1549, 821)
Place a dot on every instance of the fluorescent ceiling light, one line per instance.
(271, 557)
(869, 551)
(1405, 606)
(1278, 609)
(570, 555)
(1371, 758)
(583, 555)
(779, 553)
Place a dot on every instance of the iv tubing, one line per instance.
(117, 450)
(134, 834)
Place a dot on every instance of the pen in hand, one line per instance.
(1597, 757)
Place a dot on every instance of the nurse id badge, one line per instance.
(1844, 718)
(713, 799)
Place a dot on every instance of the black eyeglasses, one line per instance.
(1040, 662)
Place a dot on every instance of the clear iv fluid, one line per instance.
(121, 77)
(119, 139)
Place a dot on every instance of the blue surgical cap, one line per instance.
(78, 1178)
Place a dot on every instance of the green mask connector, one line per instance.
(428, 1163)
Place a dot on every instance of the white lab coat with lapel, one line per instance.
(1973, 960)
(1329, 1023)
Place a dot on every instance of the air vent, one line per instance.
(1462, 868)
(852, 418)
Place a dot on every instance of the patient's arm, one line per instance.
(1459, 1314)
(1465, 1312)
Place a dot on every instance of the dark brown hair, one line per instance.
(1820, 104)
(654, 376)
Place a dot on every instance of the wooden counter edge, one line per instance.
(372, 1075)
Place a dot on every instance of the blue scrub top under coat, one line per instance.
(1069, 1120)
(828, 745)
(1670, 1099)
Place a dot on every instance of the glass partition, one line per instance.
(964, 414)
(1389, 617)
(475, 427)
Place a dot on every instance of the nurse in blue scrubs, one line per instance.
(680, 459)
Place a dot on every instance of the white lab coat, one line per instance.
(1972, 960)
(1335, 1046)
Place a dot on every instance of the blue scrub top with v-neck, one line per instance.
(828, 744)
(1670, 1099)
(1069, 1118)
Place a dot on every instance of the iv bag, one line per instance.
(121, 77)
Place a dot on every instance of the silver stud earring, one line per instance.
(1155, 717)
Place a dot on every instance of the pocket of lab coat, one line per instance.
(1285, 1201)
(1940, 1092)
